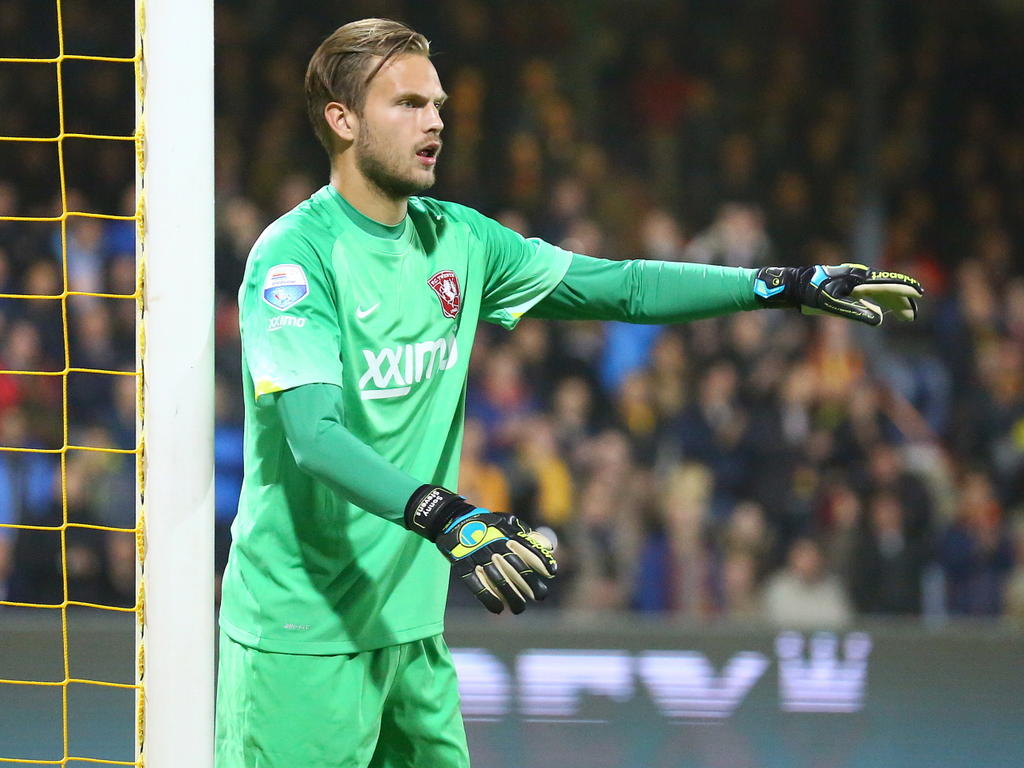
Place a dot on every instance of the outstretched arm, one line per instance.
(647, 291)
(671, 292)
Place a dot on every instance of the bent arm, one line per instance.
(647, 291)
(313, 419)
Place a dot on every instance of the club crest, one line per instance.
(446, 286)
(285, 286)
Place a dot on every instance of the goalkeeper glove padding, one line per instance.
(852, 291)
(502, 561)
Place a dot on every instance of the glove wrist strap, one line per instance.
(430, 507)
(778, 287)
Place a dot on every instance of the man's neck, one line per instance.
(368, 199)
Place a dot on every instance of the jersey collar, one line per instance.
(364, 222)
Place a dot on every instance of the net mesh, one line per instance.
(67, 523)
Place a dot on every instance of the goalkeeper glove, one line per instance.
(850, 290)
(501, 560)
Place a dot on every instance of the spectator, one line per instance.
(804, 594)
(975, 551)
(737, 239)
(685, 506)
(746, 547)
(605, 540)
(888, 559)
(540, 468)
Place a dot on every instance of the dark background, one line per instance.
(764, 470)
(679, 466)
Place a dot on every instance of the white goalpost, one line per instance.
(176, 341)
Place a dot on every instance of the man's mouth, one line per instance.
(428, 154)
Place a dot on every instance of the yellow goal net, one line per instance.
(75, 399)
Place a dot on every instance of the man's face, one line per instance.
(399, 133)
(805, 560)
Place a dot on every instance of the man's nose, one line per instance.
(434, 123)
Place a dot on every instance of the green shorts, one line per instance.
(394, 707)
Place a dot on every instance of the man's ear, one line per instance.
(341, 120)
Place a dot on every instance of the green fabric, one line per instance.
(313, 418)
(394, 707)
(647, 291)
(325, 302)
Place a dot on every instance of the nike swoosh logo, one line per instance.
(361, 313)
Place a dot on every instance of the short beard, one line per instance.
(373, 163)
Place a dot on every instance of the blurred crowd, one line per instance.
(760, 466)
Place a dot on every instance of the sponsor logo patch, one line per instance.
(392, 371)
(285, 286)
(285, 321)
(446, 286)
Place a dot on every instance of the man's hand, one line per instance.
(852, 291)
(501, 560)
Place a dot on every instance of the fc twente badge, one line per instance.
(446, 286)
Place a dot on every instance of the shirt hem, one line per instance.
(330, 648)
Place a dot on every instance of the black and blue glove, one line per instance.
(499, 558)
(852, 291)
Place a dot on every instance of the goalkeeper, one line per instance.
(358, 310)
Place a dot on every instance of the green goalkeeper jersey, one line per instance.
(388, 315)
